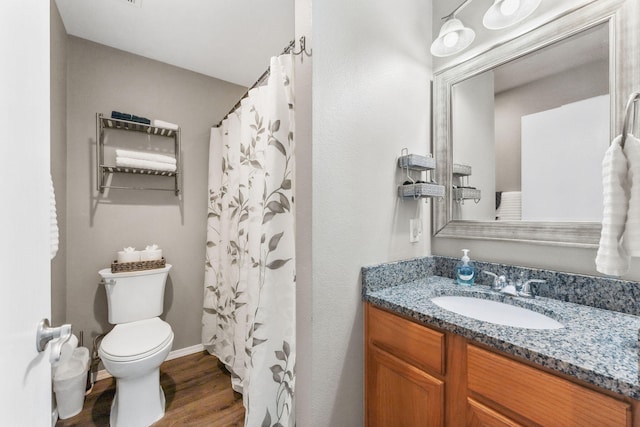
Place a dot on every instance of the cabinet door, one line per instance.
(399, 394)
(479, 415)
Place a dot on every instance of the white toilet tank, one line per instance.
(135, 295)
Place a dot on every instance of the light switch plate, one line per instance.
(415, 230)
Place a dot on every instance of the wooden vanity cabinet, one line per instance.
(418, 376)
(401, 358)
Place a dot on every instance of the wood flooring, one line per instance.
(197, 389)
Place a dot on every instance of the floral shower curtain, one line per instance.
(249, 302)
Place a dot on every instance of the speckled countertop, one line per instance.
(597, 346)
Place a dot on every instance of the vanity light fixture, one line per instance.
(454, 37)
(504, 13)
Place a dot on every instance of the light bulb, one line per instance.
(509, 7)
(451, 39)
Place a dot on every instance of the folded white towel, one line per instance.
(166, 125)
(143, 155)
(631, 239)
(611, 258)
(53, 222)
(127, 162)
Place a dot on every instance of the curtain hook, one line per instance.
(303, 48)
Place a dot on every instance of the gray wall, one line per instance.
(59, 162)
(102, 79)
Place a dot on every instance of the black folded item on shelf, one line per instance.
(120, 116)
(140, 120)
(129, 117)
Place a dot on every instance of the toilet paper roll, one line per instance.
(151, 255)
(66, 350)
(124, 256)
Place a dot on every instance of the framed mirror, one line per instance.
(520, 130)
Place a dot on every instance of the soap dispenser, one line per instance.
(465, 270)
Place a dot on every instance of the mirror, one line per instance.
(520, 131)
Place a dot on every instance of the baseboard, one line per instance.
(103, 374)
(185, 351)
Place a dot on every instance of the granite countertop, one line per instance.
(597, 346)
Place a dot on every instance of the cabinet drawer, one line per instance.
(414, 343)
(538, 396)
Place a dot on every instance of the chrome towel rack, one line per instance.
(631, 107)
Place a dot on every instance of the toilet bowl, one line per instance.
(132, 353)
(134, 349)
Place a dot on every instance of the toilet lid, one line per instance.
(135, 340)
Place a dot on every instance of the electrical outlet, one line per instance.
(415, 230)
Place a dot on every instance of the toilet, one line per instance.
(136, 346)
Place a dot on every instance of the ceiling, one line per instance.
(230, 40)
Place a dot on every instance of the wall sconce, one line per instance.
(505, 13)
(454, 37)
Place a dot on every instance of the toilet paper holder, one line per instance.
(46, 333)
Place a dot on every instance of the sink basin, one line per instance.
(496, 312)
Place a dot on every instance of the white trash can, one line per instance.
(69, 382)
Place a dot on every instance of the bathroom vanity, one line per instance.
(421, 376)
(427, 366)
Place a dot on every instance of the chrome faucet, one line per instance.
(527, 290)
(521, 287)
(499, 282)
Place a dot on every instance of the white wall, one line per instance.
(371, 98)
(304, 213)
(473, 144)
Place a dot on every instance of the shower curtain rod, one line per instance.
(258, 82)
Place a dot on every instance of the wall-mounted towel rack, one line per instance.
(104, 124)
(631, 107)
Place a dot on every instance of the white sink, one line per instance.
(496, 312)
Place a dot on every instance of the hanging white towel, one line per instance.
(631, 239)
(611, 258)
(143, 155)
(144, 164)
(54, 233)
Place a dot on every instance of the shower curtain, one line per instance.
(249, 303)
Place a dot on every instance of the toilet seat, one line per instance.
(136, 340)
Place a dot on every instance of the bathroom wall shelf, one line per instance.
(103, 171)
(416, 163)
(420, 190)
(462, 190)
(461, 170)
(460, 194)
(417, 189)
